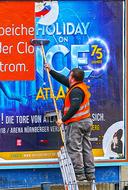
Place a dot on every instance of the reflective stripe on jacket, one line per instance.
(84, 110)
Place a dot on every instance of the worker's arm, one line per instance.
(76, 98)
(59, 77)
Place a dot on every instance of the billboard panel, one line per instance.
(81, 37)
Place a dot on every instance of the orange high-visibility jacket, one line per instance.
(84, 110)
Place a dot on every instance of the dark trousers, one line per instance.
(79, 146)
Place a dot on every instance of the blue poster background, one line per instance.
(87, 35)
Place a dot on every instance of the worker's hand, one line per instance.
(47, 66)
(59, 122)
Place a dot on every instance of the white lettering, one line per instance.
(5, 49)
(23, 47)
(11, 67)
(68, 28)
(16, 30)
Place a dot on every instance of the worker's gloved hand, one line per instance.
(59, 122)
(47, 66)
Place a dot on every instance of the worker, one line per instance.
(77, 120)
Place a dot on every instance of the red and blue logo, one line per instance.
(47, 12)
(46, 9)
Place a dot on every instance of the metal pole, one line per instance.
(54, 101)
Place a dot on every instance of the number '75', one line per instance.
(97, 51)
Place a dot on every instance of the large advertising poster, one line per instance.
(84, 34)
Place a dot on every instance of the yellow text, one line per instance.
(46, 93)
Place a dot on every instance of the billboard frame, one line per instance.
(53, 163)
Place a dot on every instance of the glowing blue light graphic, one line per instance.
(103, 43)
